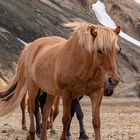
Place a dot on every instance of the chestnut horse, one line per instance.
(11, 89)
(75, 108)
(83, 64)
(41, 99)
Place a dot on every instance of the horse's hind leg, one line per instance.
(53, 114)
(75, 107)
(56, 107)
(32, 92)
(23, 108)
(37, 115)
(46, 110)
(80, 116)
(42, 101)
(52, 130)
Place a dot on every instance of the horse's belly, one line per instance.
(44, 78)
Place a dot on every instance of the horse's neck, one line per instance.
(87, 66)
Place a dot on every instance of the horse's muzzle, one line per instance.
(110, 85)
(108, 91)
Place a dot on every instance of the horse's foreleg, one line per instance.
(56, 107)
(45, 114)
(96, 101)
(23, 108)
(80, 116)
(66, 117)
(72, 112)
(51, 117)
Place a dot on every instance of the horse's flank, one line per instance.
(21, 87)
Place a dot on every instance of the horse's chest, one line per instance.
(79, 82)
(84, 87)
(79, 87)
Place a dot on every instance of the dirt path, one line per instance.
(120, 120)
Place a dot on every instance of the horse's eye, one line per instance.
(100, 51)
(119, 51)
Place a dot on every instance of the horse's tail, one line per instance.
(11, 98)
(9, 89)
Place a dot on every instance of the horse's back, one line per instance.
(50, 40)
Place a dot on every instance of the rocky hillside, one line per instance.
(125, 13)
(30, 19)
(10, 49)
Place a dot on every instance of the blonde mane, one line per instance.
(105, 39)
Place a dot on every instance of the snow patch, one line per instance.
(23, 42)
(138, 1)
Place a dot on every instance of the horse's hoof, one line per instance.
(27, 138)
(38, 135)
(24, 127)
(69, 137)
(30, 137)
(83, 137)
(53, 131)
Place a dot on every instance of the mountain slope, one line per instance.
(29, 20)
(32, 19)
(10, 49)
(125, 13)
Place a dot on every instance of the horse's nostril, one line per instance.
(113, 82)
(110, 81)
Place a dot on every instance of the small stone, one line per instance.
(5, 124)
(4, 131)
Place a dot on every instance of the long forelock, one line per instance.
(104, 40)
(81, 29)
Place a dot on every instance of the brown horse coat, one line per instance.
(83, 64)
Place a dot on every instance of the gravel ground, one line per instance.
(120, 120)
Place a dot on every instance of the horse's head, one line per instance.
(101, 43)
(105, 55)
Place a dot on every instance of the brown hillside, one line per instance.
(29, 20)
(125, 13)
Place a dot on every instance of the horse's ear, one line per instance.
(93, 32)
(117, 30)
